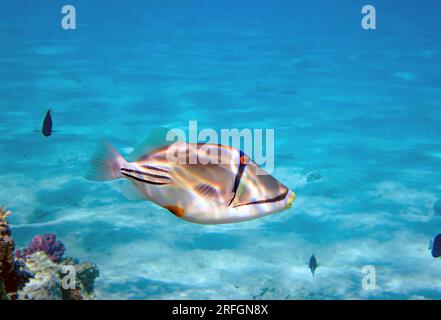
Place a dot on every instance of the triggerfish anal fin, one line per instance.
(156, 139)
(177, 211)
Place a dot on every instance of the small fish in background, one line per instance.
(47, 124)
(436, 246)
(313, 264)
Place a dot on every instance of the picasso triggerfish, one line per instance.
(221, 185)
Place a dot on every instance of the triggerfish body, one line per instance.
(204, 191)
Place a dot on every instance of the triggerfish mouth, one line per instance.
(223, 185)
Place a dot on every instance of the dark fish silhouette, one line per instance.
(47, 124)
(313, 264)
(436, 246)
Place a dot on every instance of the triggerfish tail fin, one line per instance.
(105, 164)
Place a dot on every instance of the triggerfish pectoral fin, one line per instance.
(209, 192)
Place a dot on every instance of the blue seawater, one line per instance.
(357, 111)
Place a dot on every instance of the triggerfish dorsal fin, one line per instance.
(156, 139)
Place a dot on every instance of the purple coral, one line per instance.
(47, 243)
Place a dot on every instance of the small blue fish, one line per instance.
(436, 246)
(47, 124)
(313, 264)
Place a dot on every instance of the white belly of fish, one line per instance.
(225, 215)
(206, 213)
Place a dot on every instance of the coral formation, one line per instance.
(48, 280)
(47, 243)
(6, 245)
(38, 272)
(45, 283)
(85, 275)
(12, 277)
(3, 294)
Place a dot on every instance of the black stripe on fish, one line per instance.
(275, 199)
(154, 168)
(145, 173)
(238, 177)
(143, 180)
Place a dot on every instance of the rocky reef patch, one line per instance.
(39, 271)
